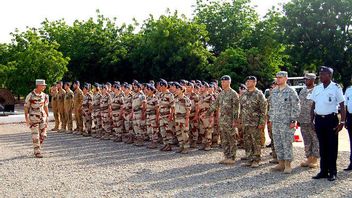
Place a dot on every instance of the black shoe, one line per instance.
(349, 168)
(320, 176)
(332, 178)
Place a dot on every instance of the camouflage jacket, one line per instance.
(253, 107)
(306, 105)
(87, 102)
(127, 106)
(105, 102)
(166, 102)
(68, 101)
(137, 101)
(117, 102)
(182, 105)
(194, 101)
(96, 101)
(205, 102)
(228, 104)
(152, 105)
(35, 104)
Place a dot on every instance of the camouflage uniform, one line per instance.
(253, 112)
(228, 104)
(34, 104)
(68, 105)
(284, 108)
(77, 104)
(166, 102)
(105, 102)
(60, 107)
(205, 124)
(152, 124)
(87, 114)
(216, 131)
(54, 107)
(182, 108)
(193, 124)
(127, 108)
(96, 131)
(137, 101)
(270, 131)
(311, 143)
(116, 107)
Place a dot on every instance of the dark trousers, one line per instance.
(328, 142)
(349, 129)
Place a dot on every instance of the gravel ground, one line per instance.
(75, 166)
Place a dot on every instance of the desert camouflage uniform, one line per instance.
(105, 102)
(116, 107)
(77, 104)
(60, 107)
(127, 108)
(193, 124)
(182, 106)
(137, 101)
(87, 113)
(166, 103)
(152, 124)
(205, 124)
(96, 131)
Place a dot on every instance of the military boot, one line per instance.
(313, 162)
(280, 166)
(306, 163)
(288, 168)
(152, 145)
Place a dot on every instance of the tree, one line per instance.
(171, 47)
(318, 32)
(33, 57)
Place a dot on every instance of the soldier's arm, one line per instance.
(263, 109)
(214, 106)
(236, 106)
(26, 108)
(295, 106)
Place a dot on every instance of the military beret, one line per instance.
(127, 86)
(310, 76)
(139, 85)
(150, 87)
(163, 82)
(76, 82)
(198, 82)
(135, 82)
(282, 74)
(326, 69)
(152, 82)
(97, 85)
(177, 85)
(117, 82)
(183, 82)
(190, 84)
(67, 83)
(243, 87)
(251, 78)
(117, 86)
(205, 84)
(225, 77)
(108, 84)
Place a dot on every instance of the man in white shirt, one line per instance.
(348, 103)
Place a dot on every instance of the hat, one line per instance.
(150, 87)
(40, 82)
(108, 84)
(117, 82)
(205, 84)
(243, 87)
(97, 85)
(177, 85)
(225, 77)
(326, 69)
(135, 82)
(86, 85)
(310, 76)
(117, 86)
(127, 86)
(163, 82)
(251, 78)
(282, 74)
(76, 82)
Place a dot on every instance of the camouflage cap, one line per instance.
(282, 74)
(225, 77)
(310, 76)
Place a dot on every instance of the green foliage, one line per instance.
(32, 57)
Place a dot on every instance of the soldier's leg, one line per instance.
(272, 143)
(179, 135)
(247, 142)
(35, 137)
(216, 134)
(228, 140)
(69, 119)
(57, 119)
(277, 137)
(80, 120)
(62, 118)
(288, 137)
(262, 137)
(208, 134)
(307, 140)
(256, 143)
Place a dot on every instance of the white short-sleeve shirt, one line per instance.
(327, 99)
(348, 99)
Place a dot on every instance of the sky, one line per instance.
(21, 13)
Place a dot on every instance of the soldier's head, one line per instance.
(76, 84)
(127, 88)
(178, 88)
(137, 87)
(150, 89)
(281, 78)
(215, 83)
(163, 85)
(251, 82)
(108, 86)
(40, 85)
(189, 87)
(86, 88)
(242, 88)
(59, 84)
(53, 89)
(204, 87)
(67, 85)
(97, 87)
(273, 84)
(325, 74)
(117, 88)
(105, 89)
(225, 82)
(309, 79)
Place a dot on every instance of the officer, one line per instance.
(283, 114)
(68, 106)
(327, 97)
(36, 114)
(348, 99)
(77, 105)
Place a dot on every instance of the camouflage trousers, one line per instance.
(206, 130)
(216, 133)
(165, 131)
(272, 144)
(79, 119)
(181, 131)
(38, 125)
(194, 129)
(128, 124)
(138, 124)
(97, 121)
(310, 139)
(118, 122)
(228, 140)
(68, 119)
(262, 137)
(283, 138)
(252, 144)
(152, 128)
(106, 122)
(87, 120)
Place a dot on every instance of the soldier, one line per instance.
(68, 104)
(311, 143)
(96, 131)
(167, 104)
(77, 104)
(228, 104)
(105, 112)
(152, 116)
(242, 88)
(128, 113)
(283, 114)
(193, 116)
(87, 108)
(270, 128)
(253, 113)
(54, 107)
(117, 110)
(327, 97)
(36, 115)
(60, 105)
(138, 108)
(348, 99)
(216, 133)
(206, 120)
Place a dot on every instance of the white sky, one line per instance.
(22, 13)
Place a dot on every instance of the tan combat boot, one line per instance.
(152, 145)
(288, 168)
(306, 163)
(280, 166)
(313, 162)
